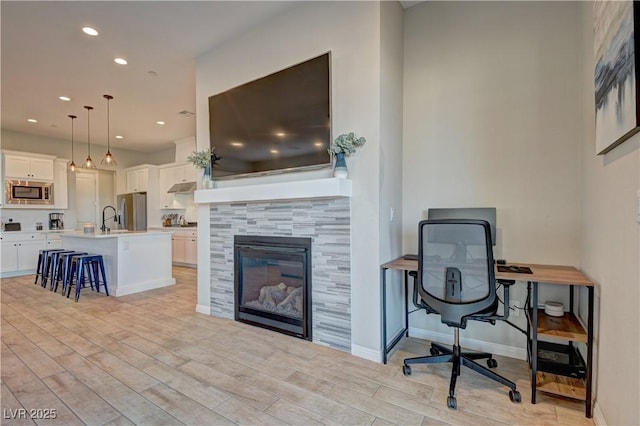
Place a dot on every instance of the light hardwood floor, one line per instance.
(150, 359)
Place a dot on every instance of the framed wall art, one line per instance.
(616, 35)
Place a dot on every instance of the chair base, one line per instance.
(454, 355)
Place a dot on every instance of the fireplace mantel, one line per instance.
(306, 189)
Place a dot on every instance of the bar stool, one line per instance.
(49, 262)
(42, 263)
(58, 264)
(68, 269)
(87, 268)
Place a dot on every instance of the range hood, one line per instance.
(183, 188)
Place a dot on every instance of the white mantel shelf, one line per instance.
(306, 189)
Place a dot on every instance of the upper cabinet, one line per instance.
(138, 179)
(184, 173)
(29, 168)
(168, 176)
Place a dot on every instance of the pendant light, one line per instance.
(72, 164)
(108, 158)
(88, 163)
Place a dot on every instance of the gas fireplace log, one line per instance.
(266, 293)
(291, 297)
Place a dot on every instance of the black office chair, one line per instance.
(456, 280)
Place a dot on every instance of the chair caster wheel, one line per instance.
(514, 396)
(434, 351)
(406, 370)
(452, 403)
(492, 363)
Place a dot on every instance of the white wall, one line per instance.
(492, 118)
(391, 77)
(351, 31)
(610, 253)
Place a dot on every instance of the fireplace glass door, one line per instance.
(272, 284)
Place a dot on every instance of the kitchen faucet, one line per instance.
(104, 228)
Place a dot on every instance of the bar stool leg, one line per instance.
(38, 267)
(103, 274)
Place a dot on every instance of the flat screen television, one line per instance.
(281, 122)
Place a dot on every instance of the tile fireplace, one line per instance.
(325, 222)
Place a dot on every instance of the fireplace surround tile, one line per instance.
(326, 221)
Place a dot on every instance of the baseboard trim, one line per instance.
(598, 417)
(203, 309)
(366, 353)
(477, 345)
(11, 274)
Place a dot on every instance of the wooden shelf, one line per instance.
(565, 327)
(561, 385)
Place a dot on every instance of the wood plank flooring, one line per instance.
(150, 359)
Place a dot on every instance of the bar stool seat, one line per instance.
(88, 268)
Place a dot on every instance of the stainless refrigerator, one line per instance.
(132, 209)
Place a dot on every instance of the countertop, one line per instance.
(112, 234)
(39, 231)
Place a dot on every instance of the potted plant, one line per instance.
(205, 160)
(343, 146)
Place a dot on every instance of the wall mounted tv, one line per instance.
(281, 122)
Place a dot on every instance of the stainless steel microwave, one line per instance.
(28, 192)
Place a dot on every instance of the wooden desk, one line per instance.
(567, 327)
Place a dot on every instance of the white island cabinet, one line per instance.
(134, 261)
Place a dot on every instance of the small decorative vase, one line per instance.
(340, 168)
(207, 183)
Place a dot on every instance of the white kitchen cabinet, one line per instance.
(184, 244)
(184, 173)
(177, 249)
(54, 241)
(27, 167)
(165, 181)
(167, 177)
(138, 180)
(60, 186)
(191, 250)
(9, 254)
(20, 253)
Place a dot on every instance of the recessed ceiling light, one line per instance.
(32, 120)
(274, 151)
(64, 98)
(162, 123)
(90, 31)
(318, 144)
(120, 61)
(237, 144)
(280, 134)
(119, 137)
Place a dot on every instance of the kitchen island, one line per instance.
(134, 261)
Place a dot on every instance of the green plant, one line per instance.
(346, 143)
(202, 159)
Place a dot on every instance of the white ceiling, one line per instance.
(45, 55)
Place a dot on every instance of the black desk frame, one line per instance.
(405, 330)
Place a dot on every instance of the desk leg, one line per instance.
(406, 303)
(588, 411)
(534, 342)
(383, 314)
